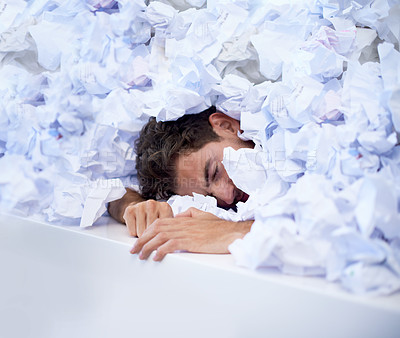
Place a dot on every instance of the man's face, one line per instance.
(202, 172)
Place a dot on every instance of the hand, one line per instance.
(193, 231)
(138, 216)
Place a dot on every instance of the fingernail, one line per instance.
(141, 256)
(134, 248)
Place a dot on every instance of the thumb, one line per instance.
(191, 212)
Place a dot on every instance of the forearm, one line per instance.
(117, 208)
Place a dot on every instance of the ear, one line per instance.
(224, 125)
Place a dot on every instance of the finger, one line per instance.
(153, 244)
(140, 221)
(165, 225)
(151, 212)
(168, 247)
(147, 235)
(191, 212)
(165, 210)
(186, 213)
(130, 221)
(150, 218)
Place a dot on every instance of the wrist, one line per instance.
(244, 227)
(238, 230)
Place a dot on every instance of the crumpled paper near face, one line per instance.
(314, 89)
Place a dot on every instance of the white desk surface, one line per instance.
(183, 291)
(107, 228)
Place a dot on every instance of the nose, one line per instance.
(224, 192)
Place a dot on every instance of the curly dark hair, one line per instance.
(160, 143)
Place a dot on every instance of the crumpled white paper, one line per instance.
(315, 85)
(180, 204)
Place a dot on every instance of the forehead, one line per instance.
(190, 168)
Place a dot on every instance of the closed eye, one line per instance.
(216, 171)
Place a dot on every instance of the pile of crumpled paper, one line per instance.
(315, 84)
